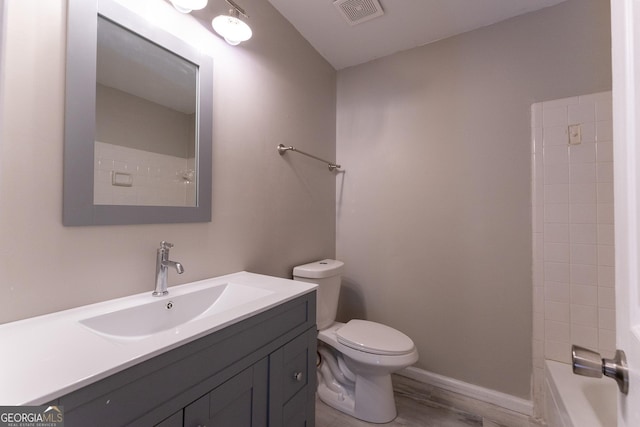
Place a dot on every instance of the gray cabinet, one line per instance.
(174, 420)
(238, 402)
(292, 387)
(259, 372)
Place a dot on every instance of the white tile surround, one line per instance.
(573, 237)
(157, 178)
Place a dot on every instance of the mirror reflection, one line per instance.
(146, 122)
(138, 121)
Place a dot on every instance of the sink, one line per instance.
(172, 311)
(89, 343)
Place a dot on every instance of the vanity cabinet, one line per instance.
(292, 383)
(173, 421)
(239, 402)
(259, 372)
(273, 392)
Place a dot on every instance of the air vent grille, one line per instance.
(358, 11)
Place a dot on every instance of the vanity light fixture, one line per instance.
(186, 6)
(231, 27)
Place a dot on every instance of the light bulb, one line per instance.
(232, 29)
(186, 6)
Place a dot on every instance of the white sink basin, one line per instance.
(168, 312)
(89, 343)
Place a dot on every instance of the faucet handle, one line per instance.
(165, 245)
(589, 363)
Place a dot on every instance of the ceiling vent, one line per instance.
(358, 11)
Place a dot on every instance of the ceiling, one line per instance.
(405, 24)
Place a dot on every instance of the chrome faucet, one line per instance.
(162, 265)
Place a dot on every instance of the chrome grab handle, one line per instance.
(590, 364)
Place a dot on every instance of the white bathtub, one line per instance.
(574, 401)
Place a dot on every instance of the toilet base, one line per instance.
(367, 398)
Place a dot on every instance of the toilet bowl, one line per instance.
(357, 358)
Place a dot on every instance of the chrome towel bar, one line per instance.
(282, 149)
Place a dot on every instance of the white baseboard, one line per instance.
(506, 401)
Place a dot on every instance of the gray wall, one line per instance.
(433, 210)
(134, 122)
(269, 213)
(433, 215)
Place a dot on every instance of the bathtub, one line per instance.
(574, 401)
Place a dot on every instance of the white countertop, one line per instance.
(48, 356)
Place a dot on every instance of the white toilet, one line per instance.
(357, 358)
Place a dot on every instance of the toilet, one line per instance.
(357, 358)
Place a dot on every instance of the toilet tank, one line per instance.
(327, 275)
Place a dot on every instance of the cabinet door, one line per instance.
(239, 402)
(292, 382)
(173, 421)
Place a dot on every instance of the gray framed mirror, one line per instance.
(138, 121)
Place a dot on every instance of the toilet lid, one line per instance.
(375, 338)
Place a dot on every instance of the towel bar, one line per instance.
(282, 149)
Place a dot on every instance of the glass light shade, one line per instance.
(232, 29)
(186, 6)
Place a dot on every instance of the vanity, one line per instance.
(236, 350)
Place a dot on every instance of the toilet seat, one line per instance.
(353, 379)
(374, 338)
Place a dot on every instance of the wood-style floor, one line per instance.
(411, 413)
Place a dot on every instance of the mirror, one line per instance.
(144, 151)
(138, 116)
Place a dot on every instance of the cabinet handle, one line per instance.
(297, 376)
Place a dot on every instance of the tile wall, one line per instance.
(156, 179)
(573, 236)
